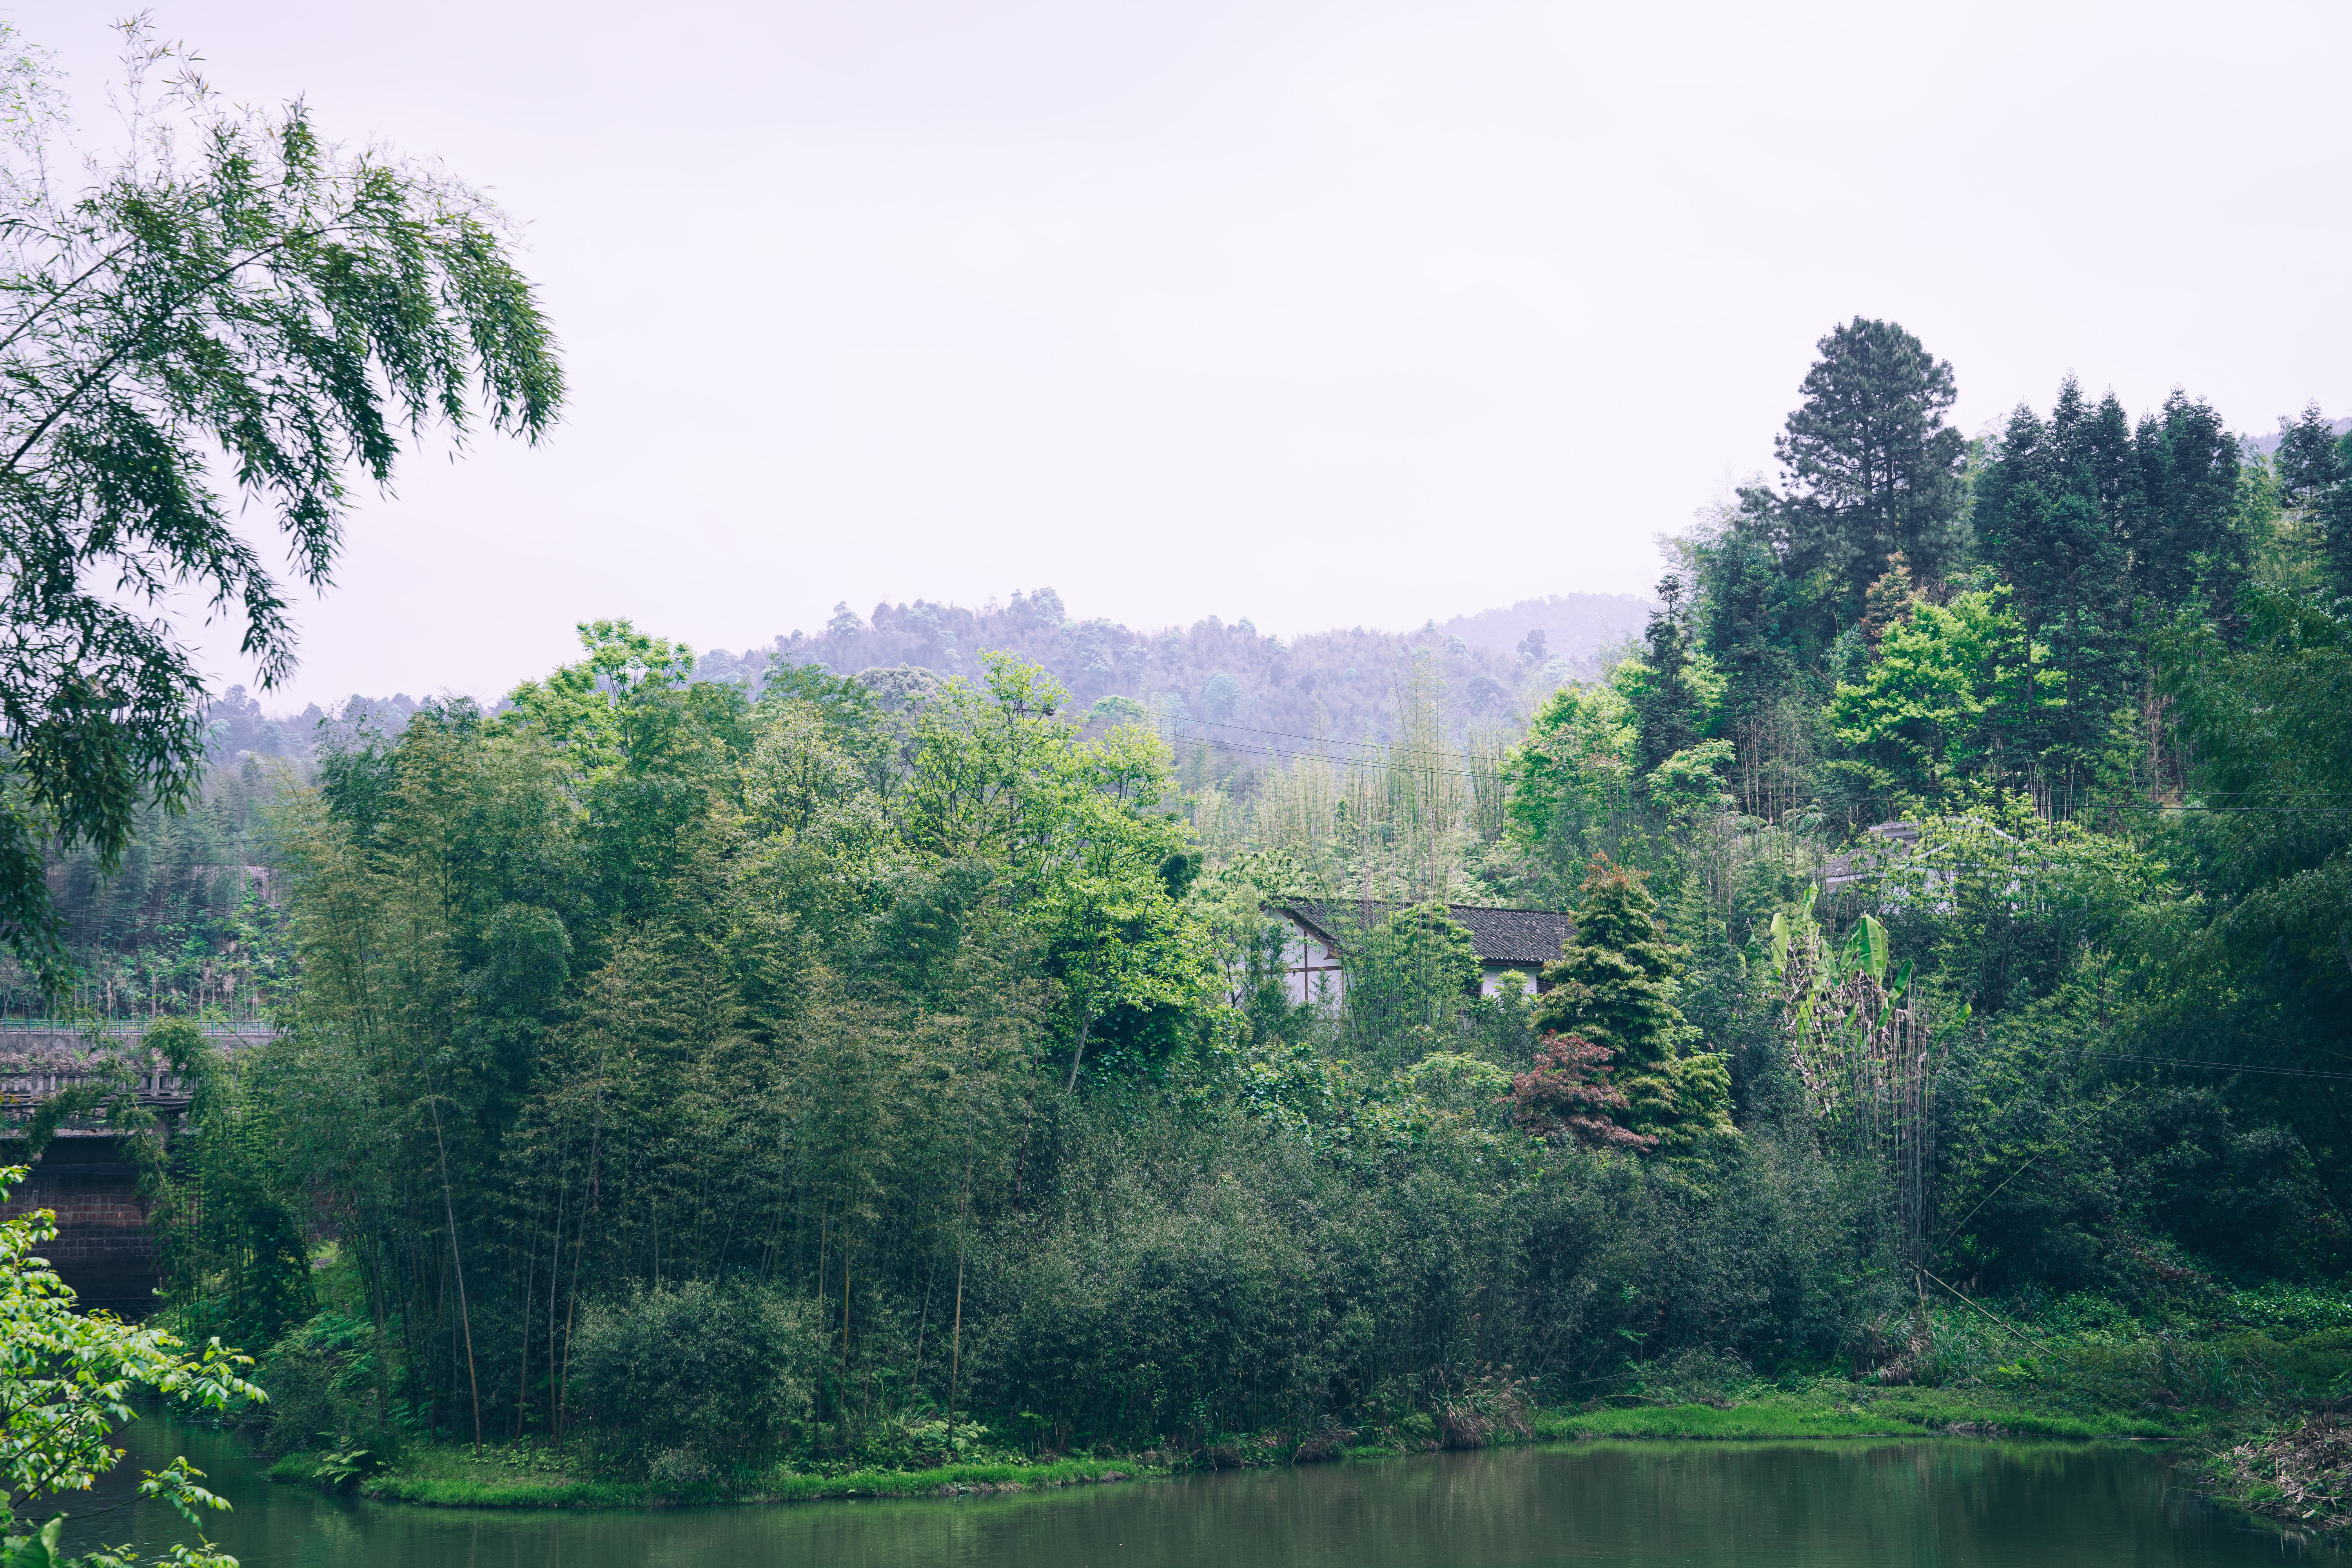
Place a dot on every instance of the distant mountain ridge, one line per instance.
(1250, 691)
(2263, 446)
(1577, 626)
(1245, 688)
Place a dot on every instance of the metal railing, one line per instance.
(130, 1028)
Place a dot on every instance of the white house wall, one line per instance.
(1490, 978)
(1312, 971)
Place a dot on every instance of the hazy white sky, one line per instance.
(1317, 313)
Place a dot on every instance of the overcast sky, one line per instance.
(1319, 314)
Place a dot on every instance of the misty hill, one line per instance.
(1575, 626)
(238, 726)
(1251, 689)
(2263, 446)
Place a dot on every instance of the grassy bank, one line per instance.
(1858, 1410)
(528, 1476)
(452, 1477)
(2247, 1378)
(2298, 1474)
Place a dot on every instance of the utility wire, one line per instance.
(2217, 1067)
(2203, 804)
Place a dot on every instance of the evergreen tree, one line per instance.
(2308, 461)
(2336, 533)
(2314, 473)
(2054, 513)
(2184, 536)
(1666, 712)
(1748, 620)
(1615, 987)
(1871, 468)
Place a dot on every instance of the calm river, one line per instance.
(1848, 1505)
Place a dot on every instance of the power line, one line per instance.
(2202, 802)
(2217, 1067)
(1248, 749)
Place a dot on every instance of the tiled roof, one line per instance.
(1529, 937)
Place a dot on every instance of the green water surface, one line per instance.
(1844, 1505)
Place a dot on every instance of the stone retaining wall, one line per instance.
(103, 1247)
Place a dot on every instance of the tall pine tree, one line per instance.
(1869, 465)
(2055, 511)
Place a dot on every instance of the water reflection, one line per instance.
(1691, 1505)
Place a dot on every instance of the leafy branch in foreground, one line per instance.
(66, 1383)
(235, 294)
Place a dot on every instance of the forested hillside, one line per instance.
(185, 924)
(1253, 691)
(699, 1073)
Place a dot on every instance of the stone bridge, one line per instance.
(103, 1247)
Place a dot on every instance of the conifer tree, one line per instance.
(1870, 467)
(1666, 712)
(2185, 539)
(1615, 987)
(2308, 462)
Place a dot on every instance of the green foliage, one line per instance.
(234, 1257)
(234, 287)
(922, 1046)
(2056, 512)
(2003, 903)
(67, 1379)
(1573, 775)
(683, 1380)
(1616, 983)
(1409, 979)
(1616, 988)
(1872, 469)
(1952, 697)
(2255, 964)
(1668, 708)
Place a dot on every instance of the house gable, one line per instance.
(1505, 941)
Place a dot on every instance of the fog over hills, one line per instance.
(1248, 688)
(1253, 690)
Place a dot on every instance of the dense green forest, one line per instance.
(187, 923)
(877, 1069)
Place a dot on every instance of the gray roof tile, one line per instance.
(1529, 937)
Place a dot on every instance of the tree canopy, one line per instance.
(235, 312)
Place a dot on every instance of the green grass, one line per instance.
(1772, 1422)
(447, 1476)
(1706, 1420)
(2054, 1400)
(783, 1488)
(452, 1477)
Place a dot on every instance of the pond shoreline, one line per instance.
(1907, 1500)
(451, 1475)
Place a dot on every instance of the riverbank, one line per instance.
(2242, 1373)
(451, 1477)
(1794, 1504)
(2298, 1475)
(528, 1476)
